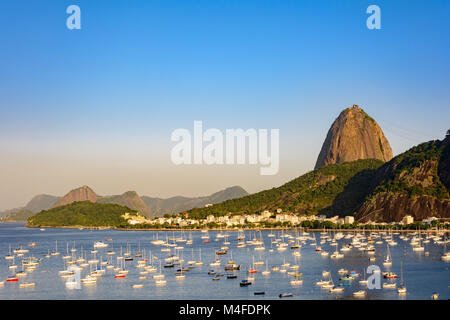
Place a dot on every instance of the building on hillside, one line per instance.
(349, 219)
(407, 220)
(266, 214)
(429, 220)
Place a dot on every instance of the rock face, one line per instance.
(389, 207)
(414, 183)
(354, 135)
(83, 193)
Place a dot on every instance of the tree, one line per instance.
(448, 133)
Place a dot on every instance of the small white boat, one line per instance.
(401, 290)
(360, 293)
(27, 284)
(160, 282)
(285, 295)
(100, 244)
(336, 289)
(337, 255)
(71, 284)
(296, 282)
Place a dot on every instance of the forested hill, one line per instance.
(337, 189)
(81, 213)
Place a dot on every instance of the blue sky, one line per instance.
(97, 106)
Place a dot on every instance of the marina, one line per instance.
(174, 265)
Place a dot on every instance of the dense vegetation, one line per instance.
(407, 164)
(336, 189)
(82, 213)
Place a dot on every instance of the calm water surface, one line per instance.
(423, 274)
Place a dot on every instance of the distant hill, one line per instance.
(128, 199)
(354, 135)
(38, 203)
(147, 206)
(336, 189)
(159, 207)
(82, 213)
(18, 215)
(41, 202)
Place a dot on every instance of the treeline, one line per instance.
(82, 213)
(313, 224)
(406, 163)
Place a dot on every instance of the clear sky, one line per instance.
(97, 106)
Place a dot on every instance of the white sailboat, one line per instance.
(418, 247)
(159, 277)
(9, 256)
(402, 288)
(55, 253)
(388, 260)
(267, 271)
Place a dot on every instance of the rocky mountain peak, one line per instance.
(83, 193)
(354, 135)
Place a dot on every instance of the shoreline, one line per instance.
(241, 229)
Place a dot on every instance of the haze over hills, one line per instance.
(148, 206)
(38, 203)
(41, 202)
(416, 182)
(173, 205)
(354, 135)
(128, 199)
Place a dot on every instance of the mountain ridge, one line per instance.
(158, 206)
(179, 203)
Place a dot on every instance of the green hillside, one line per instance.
(415, 172)
(414, 183)
(82, 213)
(336, 189)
